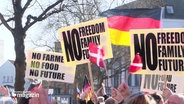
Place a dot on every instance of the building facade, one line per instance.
(7, 71)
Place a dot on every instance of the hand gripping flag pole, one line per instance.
(91, 76)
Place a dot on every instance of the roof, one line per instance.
(12, 61)
(143, 4)
(177, 7)
(176, 4)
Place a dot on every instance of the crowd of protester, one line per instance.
(121, 95)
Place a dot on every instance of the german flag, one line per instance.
(120, 21)
(87, 88)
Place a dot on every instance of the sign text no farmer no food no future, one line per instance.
(49, 66)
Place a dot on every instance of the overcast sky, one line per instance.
(6, 36)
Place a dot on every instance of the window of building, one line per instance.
(169, 9)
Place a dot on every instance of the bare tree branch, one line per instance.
(40, 5)
(74, 13)
(43, 45)
(8, 20)
(53, 12)
(4, 22)
(44, 14)
(29, 17)
(13, 3)
(26, 5)
(96, 4)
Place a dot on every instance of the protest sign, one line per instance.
(155, 83)
(162, 50)
(75, 40)
(49, 66)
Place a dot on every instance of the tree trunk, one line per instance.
(19, 35)
(20, 64)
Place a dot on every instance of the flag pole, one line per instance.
(91, 77)
(165, 81)
(106, 72)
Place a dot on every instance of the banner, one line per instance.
(162, 50)
(49, 66)
(75, 40)
(155, 83)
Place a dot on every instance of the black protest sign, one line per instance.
(161, 50)
(155, 83)
(49, 66)
(75, 40)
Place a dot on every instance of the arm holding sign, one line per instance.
(175, 99)
(4, 91)
(101, 92)
(42, 99)
(117, 96)
(167, 93)
(123, 88)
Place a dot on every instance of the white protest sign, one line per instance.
(162, 50)
(49, 66)
(155, 83)
(75, 40)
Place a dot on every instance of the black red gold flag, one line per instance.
(120, 21)
(87, 88)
